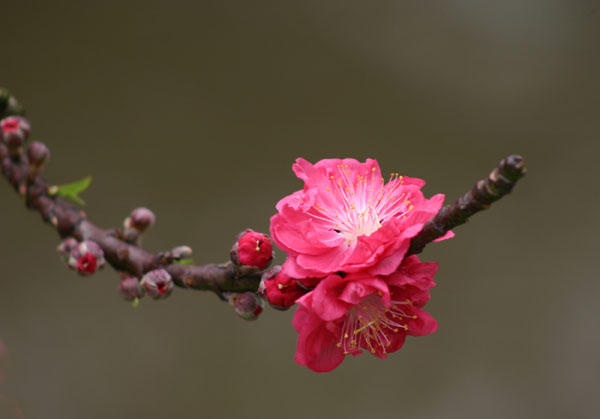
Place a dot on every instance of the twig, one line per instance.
(499, 183)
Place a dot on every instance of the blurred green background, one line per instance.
(198, 109)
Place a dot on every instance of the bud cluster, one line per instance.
(252, 252)
(14, 132)
(156, 284)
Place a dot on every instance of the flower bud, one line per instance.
(182, 252)
(130, 287)
(140, 219)
(247, 305)
(281, 290)
(65, 247)
(15, 131)
(158, 283)
(37, 154)
(252, 251)
(87, 257)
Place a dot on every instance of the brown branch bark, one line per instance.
(499, 183)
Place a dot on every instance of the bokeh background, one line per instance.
(198, 109)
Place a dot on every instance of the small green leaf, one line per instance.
(189, 262)
(135, 303)
(72, 190)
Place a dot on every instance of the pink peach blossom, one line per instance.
(361, 311)
(346, 219)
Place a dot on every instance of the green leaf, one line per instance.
(72, 190)
(135, 303)
(189, 262)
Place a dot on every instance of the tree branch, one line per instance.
(22, 171)
(499, 183)
(70, 221)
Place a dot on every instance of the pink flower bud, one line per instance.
(15, 131)
(158, 283)
(140, 219)
(281, 290)
(87, 257)
(130, 287)
(37, 154)
(247, 305)
(253, 250)
(65, 247)
(182, 252)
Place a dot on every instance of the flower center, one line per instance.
(369, 323)
(10, 125)
(359, 207)
(87, 263)
(162, 287)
